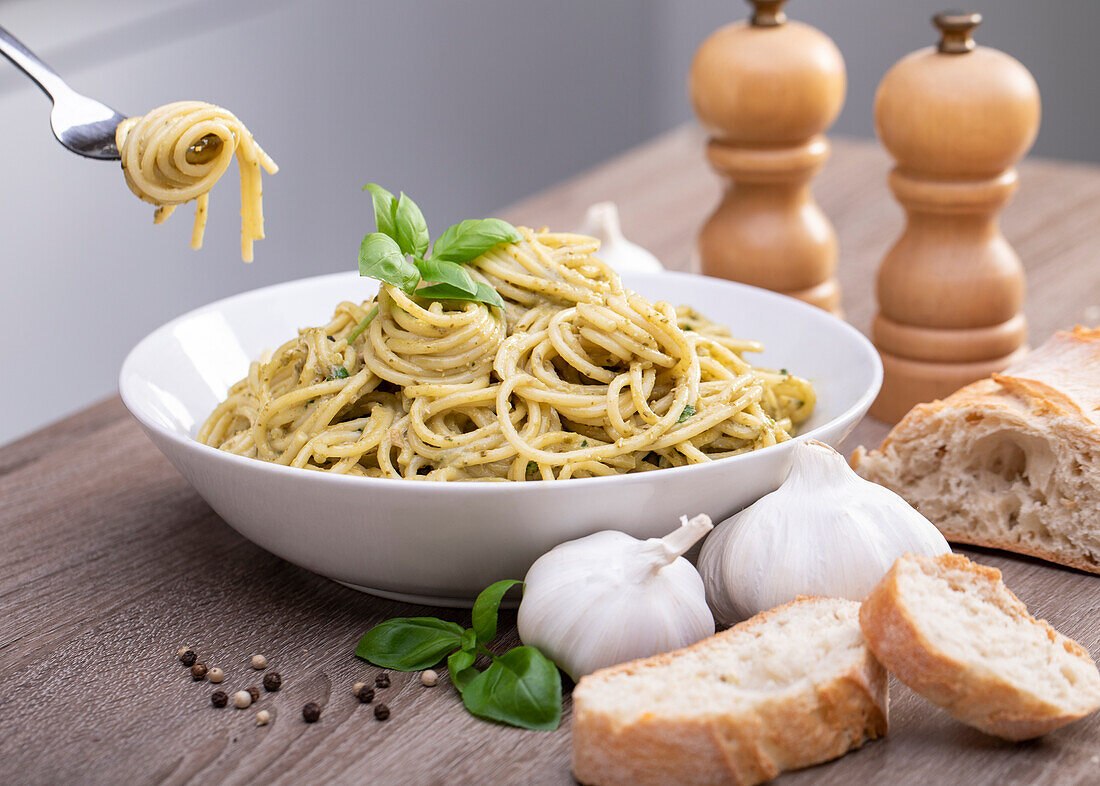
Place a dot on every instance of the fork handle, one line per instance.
(31, 65)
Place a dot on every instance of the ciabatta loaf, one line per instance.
(786, 689)
(1011, 462)
(952, 631)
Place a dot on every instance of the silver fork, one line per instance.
(83, 125)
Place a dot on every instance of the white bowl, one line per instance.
(441, 543)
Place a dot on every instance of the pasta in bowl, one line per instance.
(443, 542)
(575, 376)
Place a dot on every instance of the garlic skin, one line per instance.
(609, 598)
(602, 222)
(826, 531)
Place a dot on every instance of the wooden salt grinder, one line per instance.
(765, 90)
(956, 118)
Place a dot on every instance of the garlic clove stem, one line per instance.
(813, 459)
(602, 222)
(678, 542)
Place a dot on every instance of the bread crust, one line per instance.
(753, 742)
(973, 694)
(1053, 395)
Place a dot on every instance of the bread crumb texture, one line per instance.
(950, 630)
(786, 689)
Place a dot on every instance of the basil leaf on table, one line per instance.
(380, 257)
(486, 608)
(485, 294)
(470, 239)
(385, 209)
(410, 228)
(521, 688)
(459, 665)
(409, 643)
(438, 271)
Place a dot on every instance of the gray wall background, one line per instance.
(465, 104)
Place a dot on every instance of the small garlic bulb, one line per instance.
(602, 222)
(826, 531)
(609, 598)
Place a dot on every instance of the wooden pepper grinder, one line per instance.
(765, 90)
(956, 118)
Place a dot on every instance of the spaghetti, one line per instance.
(578, 377)
(176, 154)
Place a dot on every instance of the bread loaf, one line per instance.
(786, 689)
(1011, 462)
(952, 631)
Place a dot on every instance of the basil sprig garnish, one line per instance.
(380, 257)
(398, 254)
(470, 239)
(521, 688)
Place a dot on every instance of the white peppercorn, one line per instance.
(242, 699)
(215, 675)
(428, 678)
(263, 717)
(259, 662)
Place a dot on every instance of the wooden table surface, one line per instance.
(109, 562)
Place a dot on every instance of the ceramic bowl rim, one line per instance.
(852, 412)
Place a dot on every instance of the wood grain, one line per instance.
(109, 562)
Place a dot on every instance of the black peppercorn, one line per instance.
(365, 694)
(382, 680)
(254, 692)
(273, 681)
(187, 657)
(381, 711)
(198, 672)
(311, 713)
(219, 698)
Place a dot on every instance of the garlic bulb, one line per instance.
(609, 598)
(825, 531)
(602, 222)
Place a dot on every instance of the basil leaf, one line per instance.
(380, 257)
(411, 230)
(460, 667)
(485, 294)
(522, 688)
(385, 207)
(472, 238)
(686, 413)
(409, 643)
(486, 607)
(443, 272)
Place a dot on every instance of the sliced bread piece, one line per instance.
(950, 630)
(786, 689)
(1011, 462)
